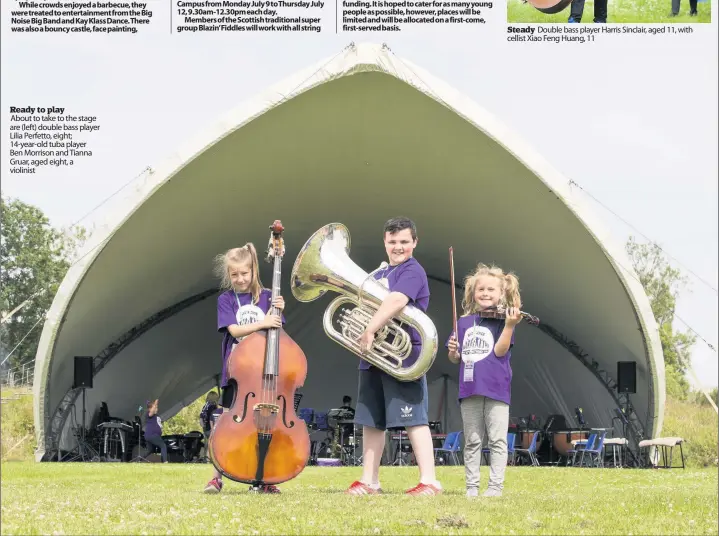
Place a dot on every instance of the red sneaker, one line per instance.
(424, 489)
(269, 488)
(214, 486)
(359, 488)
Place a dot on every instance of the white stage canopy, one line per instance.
(357, 138)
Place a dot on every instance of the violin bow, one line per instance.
(454, 300)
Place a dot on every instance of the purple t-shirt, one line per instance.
(481, 373)
(236, 308)
(410, 279)
(153, 426)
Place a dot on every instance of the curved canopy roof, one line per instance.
(356, 138)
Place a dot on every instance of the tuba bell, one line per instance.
(324, 264)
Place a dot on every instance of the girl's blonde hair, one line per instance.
(246, 253)
(509, 296)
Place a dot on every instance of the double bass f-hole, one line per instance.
(284, 412)
(244, 408)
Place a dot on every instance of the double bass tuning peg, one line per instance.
(270, 253)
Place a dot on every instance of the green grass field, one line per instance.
(86, 498)
(619, 11)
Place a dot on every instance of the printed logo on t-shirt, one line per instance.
(477, 344)
(248, 314)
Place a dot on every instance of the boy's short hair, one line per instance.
(346, 399)
(401, 223)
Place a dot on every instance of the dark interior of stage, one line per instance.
(337, 441)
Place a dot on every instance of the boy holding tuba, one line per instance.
(384, 401)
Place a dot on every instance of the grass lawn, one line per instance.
(618, 11)
(103, 498)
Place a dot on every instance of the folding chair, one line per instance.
(579, 447)
(451, 446)
(595, 451)
(530, 452)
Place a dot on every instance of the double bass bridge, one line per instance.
(268, 408)
(265, 416)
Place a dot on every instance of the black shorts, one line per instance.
(386, 402)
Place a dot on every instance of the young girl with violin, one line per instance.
(241, 310)
(482, 346)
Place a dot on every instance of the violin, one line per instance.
(493, 312)
(259, 440)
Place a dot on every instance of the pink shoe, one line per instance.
(214, 486)
(359, 488)
(424, 489)
(269, 488)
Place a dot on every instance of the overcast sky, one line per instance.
(632, 119)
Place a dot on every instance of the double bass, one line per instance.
(259, 440)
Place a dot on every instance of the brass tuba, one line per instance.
(324, 264)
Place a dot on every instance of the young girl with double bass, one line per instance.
(241, 310)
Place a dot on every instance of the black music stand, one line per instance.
(355, 459)
(399, 457)
(347, 453)
(139, 457)
(337, 419)
(580, 417)
(621, 415)
(579, 413)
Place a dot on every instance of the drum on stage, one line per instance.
(563, 440)
(525, 438)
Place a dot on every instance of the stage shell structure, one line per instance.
(357, 138)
